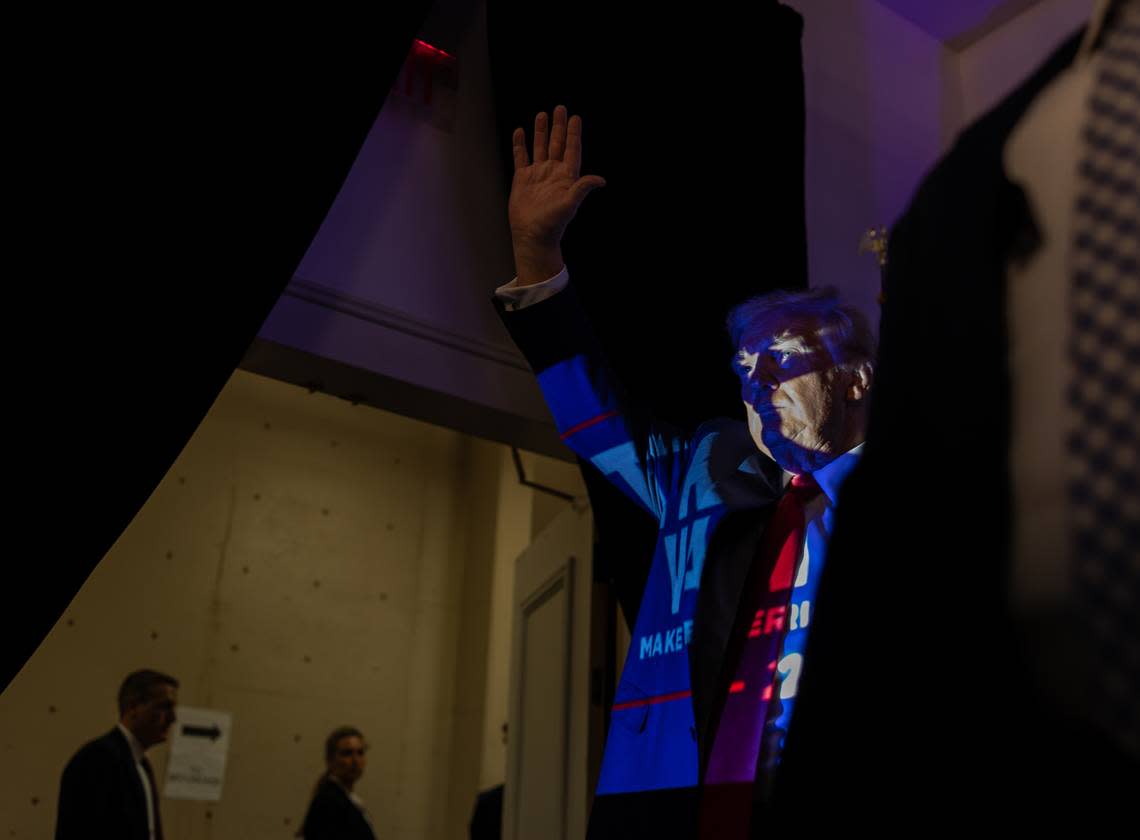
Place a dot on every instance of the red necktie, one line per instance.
(726, 801)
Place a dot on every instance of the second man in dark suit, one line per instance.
(108, 788)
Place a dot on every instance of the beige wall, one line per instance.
(884, 100)
(305, 563)
(996, 64)
(876, 116)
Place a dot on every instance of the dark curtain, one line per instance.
(697, 123)
(173, 168)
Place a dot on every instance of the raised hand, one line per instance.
(546, 193)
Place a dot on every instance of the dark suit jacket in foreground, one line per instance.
(944, 724)
(101, 794)
(333, 816)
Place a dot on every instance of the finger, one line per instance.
(584, 186)
(518, 149)
(539, 138)
(573, 156)
(558, 135)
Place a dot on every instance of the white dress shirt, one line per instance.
(137, 752)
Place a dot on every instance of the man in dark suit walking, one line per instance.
(108, 787)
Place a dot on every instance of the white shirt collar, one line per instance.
(136, 748)
(351, 793)
(831, 477)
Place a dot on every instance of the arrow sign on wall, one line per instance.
(212, 732)
(196, 767)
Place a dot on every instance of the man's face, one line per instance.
(796, 397)
(150, 720)
(347, 763)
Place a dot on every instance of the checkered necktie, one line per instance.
(1104, 398)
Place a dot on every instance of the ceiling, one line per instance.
(958, 23)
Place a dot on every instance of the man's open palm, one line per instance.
(548, 189)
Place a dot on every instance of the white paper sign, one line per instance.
(200, 739)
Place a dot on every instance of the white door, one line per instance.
(548, 727)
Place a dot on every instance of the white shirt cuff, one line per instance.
(515, 296)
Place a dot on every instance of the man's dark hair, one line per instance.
(336, 735)
(138, 685)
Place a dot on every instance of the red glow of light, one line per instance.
(585, 424)
(775, 620)
(424, 45)
(754, 631)
(651, 701)
(736, 687)
(767, 693)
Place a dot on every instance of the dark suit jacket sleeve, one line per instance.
(323, 820)
(331, 816)
(644, 457)
(87, 794)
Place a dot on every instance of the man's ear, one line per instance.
(859, 388)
